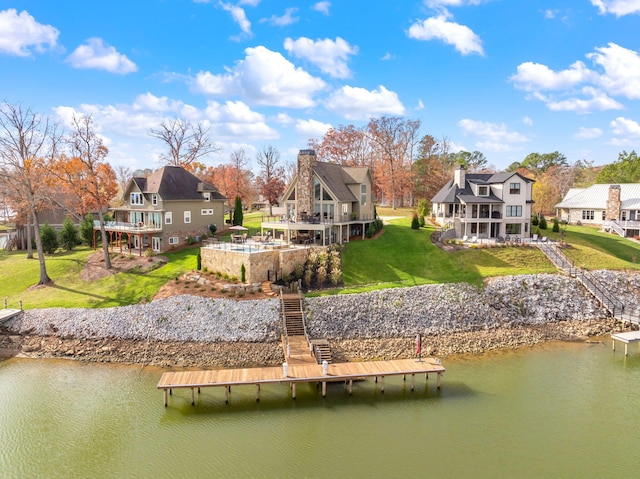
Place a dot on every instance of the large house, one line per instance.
(325, 203)
(164, 209)
(611, 206)
(485, 205)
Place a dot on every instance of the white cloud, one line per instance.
(492, 136)
(536, 77)
(309, 129)
(625, 127)
(549, 14)
(328, 55)
(419, 106)
(283, 20)
(322, 7)
(594, 100)
(264, 77)
(587, 133)
(527, 121)
(452, 3)
(360, 104)
(581, 89)
(621, 70)
(387, 56)
(97, 54)
(239, 16)
(283, 118)
(618, 7)
(20, 34)
(460, 36)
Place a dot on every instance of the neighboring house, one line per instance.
(485, 205)
(325, 203)
(164, 209)
(610, 206)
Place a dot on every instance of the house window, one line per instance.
(292, 196)
(187, 216)
(316, 189)
(588, 214)
(154, 200)
(514, 188)
(513, 228)
(174, 240)
(206, 212)
(207, 196)
(136, 199)
(483, 191)
(363, 195)
(604, 215)
(168, 218)
(514, 211)
(345, 209)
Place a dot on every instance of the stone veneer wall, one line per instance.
(304, 194)
(613, 203)
(257, 264)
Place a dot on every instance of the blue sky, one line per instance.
(505, 77)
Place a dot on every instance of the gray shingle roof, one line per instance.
(337, 177)
(450, 193)
(176, 183)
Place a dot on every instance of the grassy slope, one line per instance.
(70, 291)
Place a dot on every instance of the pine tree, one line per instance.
(238, 215)
(68, 235)
(49, 239)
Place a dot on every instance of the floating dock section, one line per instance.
(298, 373)
(626, 338)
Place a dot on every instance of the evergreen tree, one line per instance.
(556, 226)
(415, 223)
(238, 215)
(534, 219)
(49, 238)
(86, 230)
(69, 235)
(542, 223)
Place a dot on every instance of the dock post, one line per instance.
(324, 388)
(439, 379)
(257, 392)
(226, 394)
(166, 398)
(626, 349)
(350, 386)
(193, 398)
(382, 384)
(413, 381)
(293, 390)
(613, 344)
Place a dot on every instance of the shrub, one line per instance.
(213, 229)
(69, 235)
(415, 223)
(421, 221)
(199, 261)
(370, 231)
(86, 230)
(423, 207)
(243, 273)
(191, 240)
(542, 223)
(556, 226)
(534, 220)
(49, 238)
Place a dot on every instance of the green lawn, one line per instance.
(399, 257)
(405, 257)
(69, 290)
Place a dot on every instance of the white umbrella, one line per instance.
(238, 228)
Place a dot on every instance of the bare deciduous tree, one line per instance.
(26, 140)
(186, 142)
(270, 180)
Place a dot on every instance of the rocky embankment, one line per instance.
(183, 330)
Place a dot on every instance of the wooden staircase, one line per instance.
(266, 289)
(296, 342)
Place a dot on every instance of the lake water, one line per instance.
(565, 411)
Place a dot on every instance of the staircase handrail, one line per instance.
(616, 227)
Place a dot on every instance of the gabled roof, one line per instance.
(450, 193)
(176, 183)
(595, 197)
(337, 177)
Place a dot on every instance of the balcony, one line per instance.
(128, 227)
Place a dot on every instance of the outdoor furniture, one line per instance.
(474, 239)
(543, 239)
(534, 238)
(465, 238)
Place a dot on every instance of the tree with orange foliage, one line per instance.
(27, 140)
(86, 174)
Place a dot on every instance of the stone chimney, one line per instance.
(304, 200)
(459, 177)
(613, 203)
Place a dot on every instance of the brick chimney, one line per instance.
(304, 200)
(613, 203)
(459, 176)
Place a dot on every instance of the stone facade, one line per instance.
(613, 203)
(257, 263)
(304, 191)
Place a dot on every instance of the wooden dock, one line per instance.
(298, 373)
(626, 338)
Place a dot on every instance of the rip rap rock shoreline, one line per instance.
(509, 312)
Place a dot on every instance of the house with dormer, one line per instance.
(163, 210)
(485, 205)
(325, 203)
